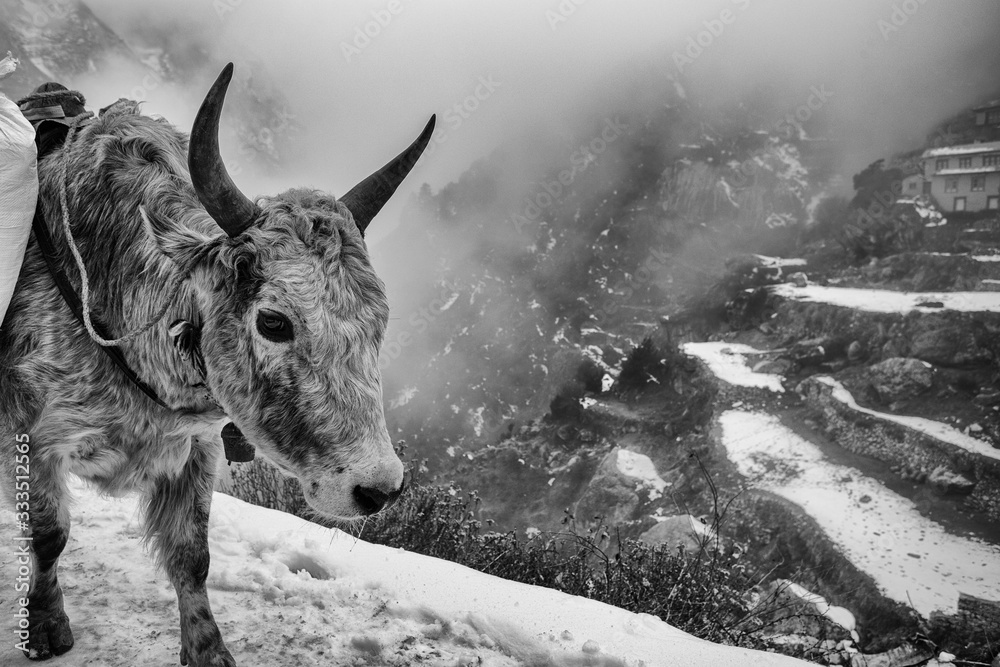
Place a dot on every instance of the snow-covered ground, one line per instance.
(288, 593)
(728, 362)
(912, 558)
(640, 467)
(779, 262)
(935, 429)
(884, 301)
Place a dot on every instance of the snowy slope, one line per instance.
(727, 361)
(912, 558)
(288, 592)
(884, 301)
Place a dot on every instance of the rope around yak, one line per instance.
(175, 285)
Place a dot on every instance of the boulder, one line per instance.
(681, 530)
(610, 494)
(900, 378)
(774, 366)
(946, 344)
(988, 397)
(950, 483)
(907, 655)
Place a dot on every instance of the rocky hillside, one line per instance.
(530, 286)
(65, 42)
(859, 461)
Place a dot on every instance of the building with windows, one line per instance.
(988, 114)
(959, 178)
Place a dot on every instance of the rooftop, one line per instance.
(993, 104)
(963, 149)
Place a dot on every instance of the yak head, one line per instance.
(293, 316)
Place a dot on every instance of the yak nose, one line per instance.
(373, 500)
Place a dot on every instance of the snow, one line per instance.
(839, 615)
(288, 593)
(937, 430)
(779, 262)
(478, 421)
(986, 258)
(962, 149)
(913, 559)
(405, 396)
(450, 302)
(729, 192)
(812, 206)
(776, 220)
(640, 466)
(884, 301)
(926, 210)
(726, 362)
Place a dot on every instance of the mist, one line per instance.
(361, 78)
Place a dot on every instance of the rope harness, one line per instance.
(54, 127)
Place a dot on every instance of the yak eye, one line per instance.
(274, 326)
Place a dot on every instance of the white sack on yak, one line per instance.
(18, 188)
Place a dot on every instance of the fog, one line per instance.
(361, 78)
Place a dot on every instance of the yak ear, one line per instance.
(180, 244)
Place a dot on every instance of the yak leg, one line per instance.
(177, 520)
(49, 633)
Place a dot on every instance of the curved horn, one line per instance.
(229, 207)
(368, 197)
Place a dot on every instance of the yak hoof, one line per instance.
(49, 637)
(216, 657)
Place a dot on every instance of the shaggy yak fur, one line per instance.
(309, 399)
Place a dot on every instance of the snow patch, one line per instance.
(640, 466)
(726, 361)
(839, 615)
(288, 592)
(936, 430)
(885, 301)
(779, 262)
(404, 397)
(909, 556)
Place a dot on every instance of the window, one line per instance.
(912, 186)
(941, 163)
(978, 183)
(991, 160)
(951, 184)
(964, 162)
(993, 203)
(959, 204)
(993, 117)
(927, 187)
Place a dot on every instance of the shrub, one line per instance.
(644, 365)
(972, 640)
(262, 484)
(866, 235)
(566, 406)
(590, 375)
(707, 593)
(710, 592)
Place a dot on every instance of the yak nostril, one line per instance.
(373, 500)
(370, 500)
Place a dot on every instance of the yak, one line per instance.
(284, 317)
